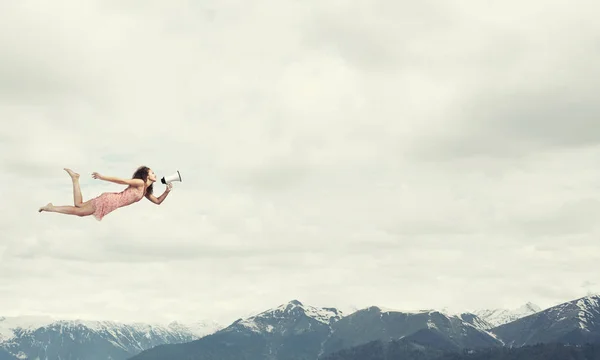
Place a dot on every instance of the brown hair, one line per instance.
(142, 173)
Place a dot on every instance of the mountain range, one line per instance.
(294, 331)
(30, 337)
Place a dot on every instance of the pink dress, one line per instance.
(109, 201)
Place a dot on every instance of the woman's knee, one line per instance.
(85, 210)
(81, 212)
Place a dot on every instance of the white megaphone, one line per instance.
(171, 178)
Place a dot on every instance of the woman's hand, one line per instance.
(169, 187)
(95, 175)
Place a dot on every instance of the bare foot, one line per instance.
(46, 208)
(73, 174)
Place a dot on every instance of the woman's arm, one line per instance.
(133, 182)
(160, 199)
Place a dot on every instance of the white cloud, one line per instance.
(342, 154)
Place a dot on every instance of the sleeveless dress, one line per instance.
(110, 201)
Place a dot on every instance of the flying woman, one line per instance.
(140, 185)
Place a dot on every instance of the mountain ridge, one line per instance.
(32, 337)
(291, 331)
(575, 322)
(32, 322)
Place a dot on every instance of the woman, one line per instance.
(140, 185)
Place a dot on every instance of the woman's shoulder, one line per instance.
(138, 183)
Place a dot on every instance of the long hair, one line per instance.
(142, 173)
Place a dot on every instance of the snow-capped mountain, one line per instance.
(8, 325)
(279, 319)
(294, 331)
(287, 332)
(575, 322)
(47, 338)
(497, 317)
(376, 323)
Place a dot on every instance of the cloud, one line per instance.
(330, 152)
(530, 93)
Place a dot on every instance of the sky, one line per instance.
(409, 155)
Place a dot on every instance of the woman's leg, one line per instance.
(77, 198)
(85, 210)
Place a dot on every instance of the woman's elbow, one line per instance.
(153, 200)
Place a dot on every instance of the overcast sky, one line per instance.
(343, 153)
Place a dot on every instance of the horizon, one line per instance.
(349, 311)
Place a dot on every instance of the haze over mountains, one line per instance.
(299, 331)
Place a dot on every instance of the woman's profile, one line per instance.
(140, 185)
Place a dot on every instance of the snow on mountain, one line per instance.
(467, 317)
(497, 317)
(24, 323)
(199, 328)
(475, 320)
(28, 337)
(574, 322)
(590, 310)
(267, 320)
(377, 323)
(288, 331)
(585, 310)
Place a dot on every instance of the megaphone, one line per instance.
(171, 178)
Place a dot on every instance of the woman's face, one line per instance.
(151, 175)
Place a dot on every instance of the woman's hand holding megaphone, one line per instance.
(169, 187)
